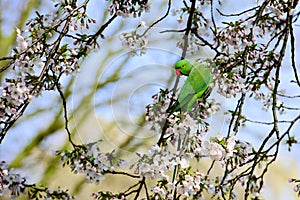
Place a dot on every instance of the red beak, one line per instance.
(178, 72)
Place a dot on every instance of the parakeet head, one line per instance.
(183, 67)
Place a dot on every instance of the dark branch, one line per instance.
(159, 20)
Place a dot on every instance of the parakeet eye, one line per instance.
(182, 66)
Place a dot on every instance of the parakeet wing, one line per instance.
(195, 85)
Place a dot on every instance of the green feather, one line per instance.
(198, 81)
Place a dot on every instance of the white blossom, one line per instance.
(22, 44)
(158, 161)
(212, 149)
(136, 44)
(97, 165)
(10, 180)
(230, 146)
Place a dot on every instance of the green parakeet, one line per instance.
(196, 85)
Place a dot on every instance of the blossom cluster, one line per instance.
(10, 180)
(13, 94)
(188, 185)
(227, 75)
(191, 43)
(274, 16)
(199, 17)
(108, 195)
(127, 7)
(135, 43)
(229, 83)
(247, 63)
(186, 133)
(13, 182)
(91, 161)
(234, 152)
(156, 113)
(297, 186)
(40, 58)
(236, 35)
(186, 136)
(15, 90)
(185, 127)
(158, 161)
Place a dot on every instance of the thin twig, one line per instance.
(122, 173)
(7, 58)
(266, 123)
(138, 191)
(160, 19)
(236, 14)
(64, 102)
(100, 31)
(292, 41)
(188, 29)
(172, 30)
(288, 96)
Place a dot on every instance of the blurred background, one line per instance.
(107, 99)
